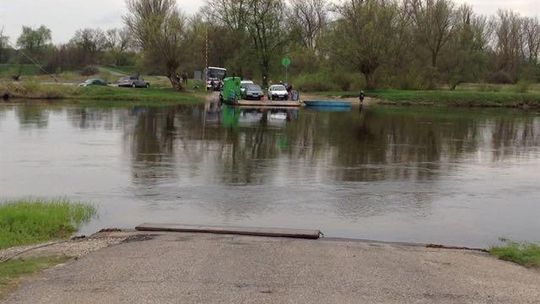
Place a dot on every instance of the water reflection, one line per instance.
(33, 116)
(377, 173)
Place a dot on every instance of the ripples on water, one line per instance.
(455, 176)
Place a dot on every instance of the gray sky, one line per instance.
(64, 17)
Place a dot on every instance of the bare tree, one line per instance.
(310, 17)
(233, 13)
(531, 32)
(435, 24)
(158, 28)
(508, 36)
(118, 42)
(90, 44)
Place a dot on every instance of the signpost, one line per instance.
(286, 62)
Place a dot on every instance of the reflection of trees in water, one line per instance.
(3, 112)
(512, 137)
(33, 116)
(175, 147)
(152, 147)
(97, 118)
(375, 145)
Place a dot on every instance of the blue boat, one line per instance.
(328, 103)
(329, 109)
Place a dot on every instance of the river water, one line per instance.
(433, 175)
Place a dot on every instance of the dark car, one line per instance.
(93, 82)
(133, 82)
(252, 91)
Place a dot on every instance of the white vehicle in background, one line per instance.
(278, 92)
(214, 77)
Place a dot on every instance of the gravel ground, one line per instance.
(204, 268)
(76, 247)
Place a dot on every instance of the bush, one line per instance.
(486, 87)
(89, 71)
(521, 87)
(500, 77)
(321, 82)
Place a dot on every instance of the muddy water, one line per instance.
(461, 177)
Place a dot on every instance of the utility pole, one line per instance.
(206, 58)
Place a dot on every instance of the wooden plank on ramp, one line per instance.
(252, 231)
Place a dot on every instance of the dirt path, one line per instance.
(203, 268)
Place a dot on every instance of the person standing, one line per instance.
(361, 97)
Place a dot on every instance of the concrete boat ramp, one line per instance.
(188, 267)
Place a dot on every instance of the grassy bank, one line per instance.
(99, 95)
(460, 98)
(27, 222)
(11, 272)
(525, 254)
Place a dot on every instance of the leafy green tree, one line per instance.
(4, 44)
(34, 42)
(364, 37)
(466, 57)
(257, 26)
(159, 30)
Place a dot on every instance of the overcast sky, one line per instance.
(64, 17)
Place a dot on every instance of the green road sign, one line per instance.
(286, 61)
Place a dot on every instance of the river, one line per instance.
(432, 175)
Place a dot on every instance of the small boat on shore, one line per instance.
(328, 103)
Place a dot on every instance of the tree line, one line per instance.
(410, 44)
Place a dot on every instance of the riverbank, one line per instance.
(99, 95)
(457, 98)
(231, 269)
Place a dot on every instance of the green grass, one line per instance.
(526, 254)
(27, 222)
(107, 96)
(12, 271)
(8, 70)
(113, 96)
(463, 98)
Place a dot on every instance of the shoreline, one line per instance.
(166, 96)
(110, 236)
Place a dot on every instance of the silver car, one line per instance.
(133, 82)
(253, 91)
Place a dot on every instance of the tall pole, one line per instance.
(206, 58)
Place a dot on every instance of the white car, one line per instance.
(278, 92)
